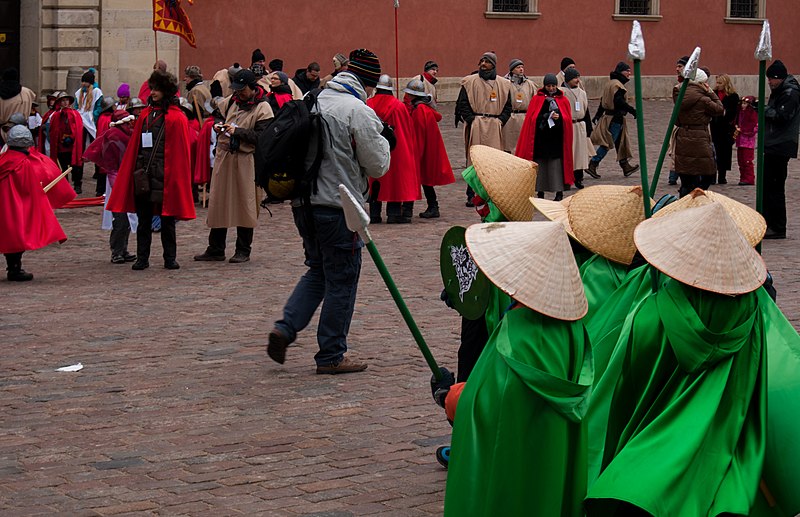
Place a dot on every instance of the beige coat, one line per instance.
(197, 97)
(582, 148)
(485, 130)
(224, 81)
(602, 134)
(234, 199)
(20, 103)
(521, 95)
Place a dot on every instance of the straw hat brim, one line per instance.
(750, 223)
(603, 218)
(555, 211)
(702, 247)
(508, 179)
(533, 263)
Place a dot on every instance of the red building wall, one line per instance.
(455, 33)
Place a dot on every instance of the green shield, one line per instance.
(465, 284)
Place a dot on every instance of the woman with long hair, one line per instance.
(723, 126)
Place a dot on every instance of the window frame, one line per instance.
(761, 15)
(654, 16)
(532, 13)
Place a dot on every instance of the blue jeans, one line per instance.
(616, 132)
(333, 257)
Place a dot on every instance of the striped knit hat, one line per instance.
(366, 66)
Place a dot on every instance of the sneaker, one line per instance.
(443, 456)
(208, 257)
(129, 257)
(117, 259)
(140, 265)
(171, 264)
(238, 258)
(469, 204)
(346, 365)
(277, 345)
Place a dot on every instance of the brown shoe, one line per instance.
(346, 365)
(277, 345)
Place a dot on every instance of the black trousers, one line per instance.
(775, 172)
(14, 261)
(474, 336)
(217, 237)
(144, 234)
(120, 231)
(64, 160)
(689, 182)
(430, 195)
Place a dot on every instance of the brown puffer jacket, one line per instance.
(693, 148)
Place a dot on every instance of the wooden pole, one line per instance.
(668, 136)
(396, 51)
(55, 181)
(155, 36)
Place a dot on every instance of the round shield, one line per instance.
(465, 284)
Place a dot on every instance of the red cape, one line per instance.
(108, 149)
(401, 182)
(434, 165)
(194, 132)
(62, 192)
(144, 92)
(27, 221)
(526, 136)
(103, 123)
(76, 127)
(178, 201)
(202, 158)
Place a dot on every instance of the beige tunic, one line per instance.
(485, 98)
(602, 134)
(582, 148)
(234, 199)
(197, 97)
(224, 81)
(521, 95)
(20, 103)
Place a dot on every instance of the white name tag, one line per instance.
(147, 139)
(577, 105)
(550, 121)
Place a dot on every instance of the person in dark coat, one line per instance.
(782, 123)
(307, 78)
(723, 126)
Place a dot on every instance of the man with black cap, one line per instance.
(429, 78)
(355, 150)
(611, 130)
(522, 91)
(197, 93)
(566, 64)
(782, 117)
(234, 200)
(484, 105)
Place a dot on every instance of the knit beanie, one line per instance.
(550, 79)
(276, 65)
(490, 57)
(258, 56)
(514, 64)
(570, 74)
(430, 65)
(683, 60)
(283, 77)
(88, 77)
(566, 62)
(233, 70)
(777, 70)
(700, 77)
(366, 66)
(124, 90)
(340, 60)
(621, 67)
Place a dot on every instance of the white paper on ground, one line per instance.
(71, 368)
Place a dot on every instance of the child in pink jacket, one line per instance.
(746, 130)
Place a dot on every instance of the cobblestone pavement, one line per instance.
(178, 410)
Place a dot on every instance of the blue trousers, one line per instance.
(333, 257)
(616, 132)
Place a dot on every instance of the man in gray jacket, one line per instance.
(354, 151)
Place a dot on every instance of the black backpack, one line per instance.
(283, 147)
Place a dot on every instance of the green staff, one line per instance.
(636, 52)
(689, 73)
(357, 221)
(763, 54)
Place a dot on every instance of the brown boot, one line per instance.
(346, 365)
(627, 168)
(592, 170)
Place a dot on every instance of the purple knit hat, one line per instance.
(124, 90)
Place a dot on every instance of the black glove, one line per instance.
(446, 299)
(633, 112)
(388, 134)
(439, 389)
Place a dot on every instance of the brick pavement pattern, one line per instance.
(178, 410)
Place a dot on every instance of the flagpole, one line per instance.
(155, 35)
(396, 49)
(763, 54)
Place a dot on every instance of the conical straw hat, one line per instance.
(750, 223)
(702, 247)
(555, 211)
(533, 263)
(603, 218)
(509, 180)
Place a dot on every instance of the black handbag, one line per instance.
(141, 177)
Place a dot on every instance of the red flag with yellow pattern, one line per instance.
(169, 16)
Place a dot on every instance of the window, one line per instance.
(512, 9)
(746, 11)
(643, 10)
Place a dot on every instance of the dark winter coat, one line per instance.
(722, 128)
(782, 119)
(693, 149)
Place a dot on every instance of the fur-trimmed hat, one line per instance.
(193, 72)
(163, 82)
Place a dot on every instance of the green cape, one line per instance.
(471, 178)
(518, 439)
(600, 277)
(687, 423)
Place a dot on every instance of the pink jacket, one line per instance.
(747, 122)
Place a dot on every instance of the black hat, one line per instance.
(777, 70)
(258, 56)
(570, 74)
(163, 82)
(550, 79)
(88, 77)
(514, 64)
(244, 78)
(276, 65)
(683, 60)
(566, 62)
(429, 65)
(621, 67)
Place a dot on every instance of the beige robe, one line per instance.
(224, 81)
(485, 130)
(521, 95)
(20, 103)
(601, 134)
(197, 97)
(582, 148)
(234, 199)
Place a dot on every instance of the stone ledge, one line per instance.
(511, 16)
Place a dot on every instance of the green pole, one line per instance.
(401, 304)
(762, 101)
(668, 136)
(637, 72)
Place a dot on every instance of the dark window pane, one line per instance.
(744, 8)
(634, 7)
(510, 6)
